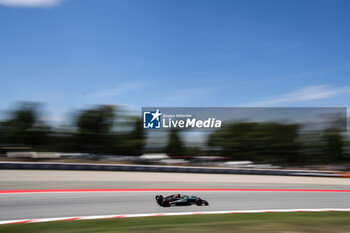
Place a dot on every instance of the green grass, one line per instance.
(242, 223)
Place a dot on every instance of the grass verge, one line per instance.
(267, 222)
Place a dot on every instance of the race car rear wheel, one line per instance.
(165, 203)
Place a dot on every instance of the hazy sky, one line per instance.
(76, 53)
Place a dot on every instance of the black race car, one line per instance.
(180, 200)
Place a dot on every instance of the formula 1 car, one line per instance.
(180, 200)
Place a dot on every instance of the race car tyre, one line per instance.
(159, 199)
(166, 203)
(199, 202)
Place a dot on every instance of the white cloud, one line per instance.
(30, 3)
(119, 90)
(301, 95)
(188, 96)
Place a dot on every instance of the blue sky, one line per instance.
(73, 54)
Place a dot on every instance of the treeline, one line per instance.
(280, 144)
(91, 131)
(106, 130)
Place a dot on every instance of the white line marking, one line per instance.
(168, 214)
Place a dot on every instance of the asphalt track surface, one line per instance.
(44, 205)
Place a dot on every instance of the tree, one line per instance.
(137, 137)
(333, 143)
(130, 142)
(261, 142)
(25, 127)
(175, 146)
(94, 130)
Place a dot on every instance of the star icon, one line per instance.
(156, 115)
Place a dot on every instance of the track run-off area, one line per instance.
(53, 194)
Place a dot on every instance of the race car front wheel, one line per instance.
(199, 202)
